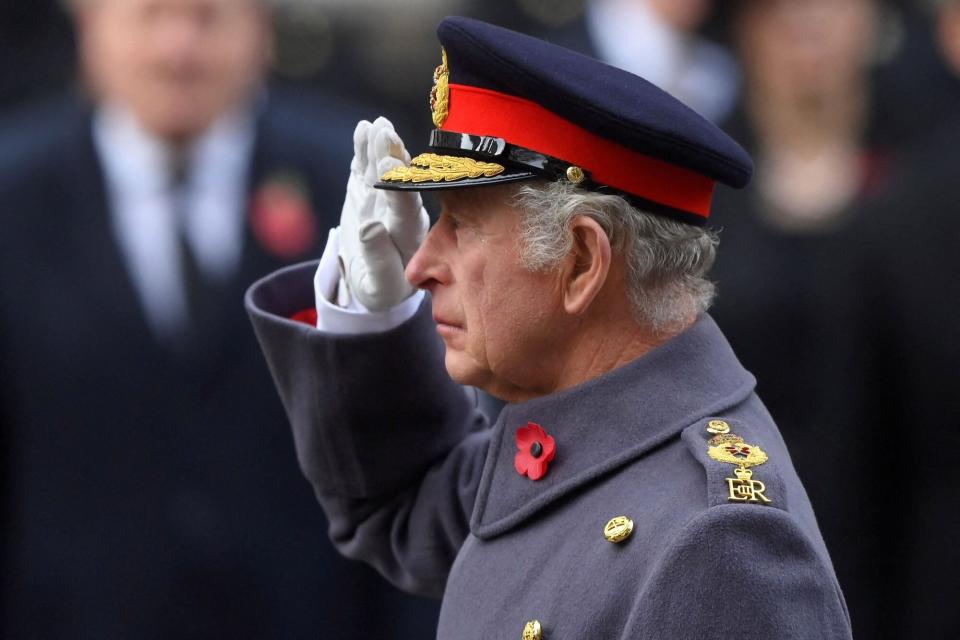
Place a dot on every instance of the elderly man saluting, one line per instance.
(634, 486)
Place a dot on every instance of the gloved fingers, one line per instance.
(360, 199)
(379, 140)
(399, 204)
(403, 214)
(359, 205)
(361, 132)
(397, 149)
(381, 285)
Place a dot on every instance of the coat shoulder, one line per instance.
(751, 562)
(33, 141)
(745, 572)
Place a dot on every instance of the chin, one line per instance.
(463, 370)
(175, 124)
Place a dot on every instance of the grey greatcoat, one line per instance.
(416, 483)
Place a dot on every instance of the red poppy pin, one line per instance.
(281, 217)
(536, 450)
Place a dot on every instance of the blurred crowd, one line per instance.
(157, 156)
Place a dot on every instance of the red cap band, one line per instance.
(526, 124)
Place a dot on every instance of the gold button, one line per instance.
(532, 631)
(618, 529)
(575, 174)
(718, 427)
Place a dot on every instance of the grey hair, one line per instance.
(667, 261)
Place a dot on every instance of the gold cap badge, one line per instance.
(440, 93)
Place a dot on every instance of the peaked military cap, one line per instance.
(510, 107)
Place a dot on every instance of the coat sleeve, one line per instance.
(744, 572)
(392, 446)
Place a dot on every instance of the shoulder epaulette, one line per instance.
(738, 469)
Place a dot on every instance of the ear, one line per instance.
(587, 266)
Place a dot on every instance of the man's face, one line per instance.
(803, 50)
(499, 321)
(176, 64)
(684, 15)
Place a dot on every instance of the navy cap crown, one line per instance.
(508, 107)
(603, 99)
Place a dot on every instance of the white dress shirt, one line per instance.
(137, 169)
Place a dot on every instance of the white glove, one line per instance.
(379, 230)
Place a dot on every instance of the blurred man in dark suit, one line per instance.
(151, 489)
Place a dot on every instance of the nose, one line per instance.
(178, 34)
(427, 268)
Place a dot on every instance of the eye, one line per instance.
(452, 220)
(208, 16)
(462, 227)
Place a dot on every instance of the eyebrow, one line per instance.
(470, 200)
(460, 204)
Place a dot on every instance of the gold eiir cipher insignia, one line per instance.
(731, 449)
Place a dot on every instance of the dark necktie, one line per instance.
(189, 335)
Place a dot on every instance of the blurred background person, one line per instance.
(806, 106)
(904, 257)
(806, 114)
(151, 484)
(658, 40)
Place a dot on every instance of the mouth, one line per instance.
(447, 328)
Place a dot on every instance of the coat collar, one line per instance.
(608, 422)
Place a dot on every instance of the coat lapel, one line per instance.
(94, 254)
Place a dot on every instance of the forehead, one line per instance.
(486, 200)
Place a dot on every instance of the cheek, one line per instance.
(229, 60)
(516, 324)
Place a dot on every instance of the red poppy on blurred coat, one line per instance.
(281, 218)
(536, 450)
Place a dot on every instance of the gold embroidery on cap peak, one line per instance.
(431, 167)
(440, 93)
